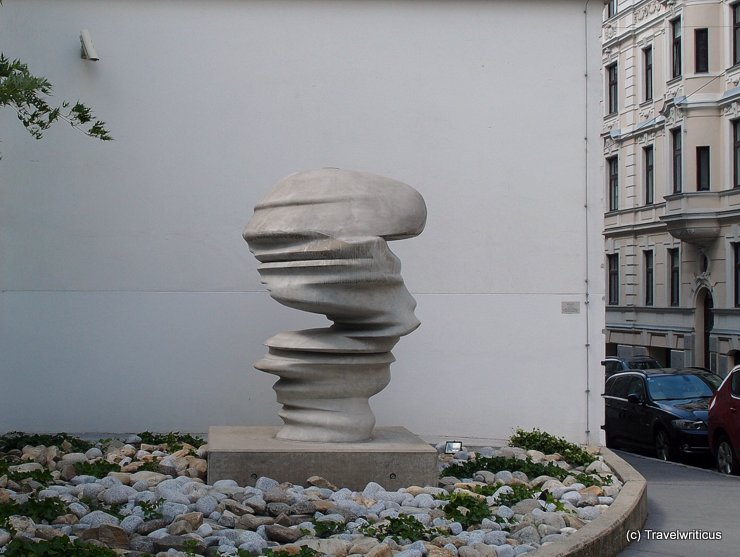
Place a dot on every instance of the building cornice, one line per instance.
(633, 327)
(671, 112)
(632, 21)
(722, 217)
(634, 229)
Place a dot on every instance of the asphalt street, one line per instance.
(689, 502)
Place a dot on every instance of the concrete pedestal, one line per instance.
(394, 458)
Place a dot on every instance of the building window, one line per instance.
(613, 170)
(736, 33)
(674, 266)
(736, 149)
(649, 273)
(676, 53)
(612, 92)
(649, 175)
(702, 168)
(736, 249)
(613, 264)
(647, 56)
(611, 8)
(701, 50)
(676, 143)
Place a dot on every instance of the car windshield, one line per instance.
(675, 387)
(643, 364)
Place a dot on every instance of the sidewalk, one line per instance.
(687, 500)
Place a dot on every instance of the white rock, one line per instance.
(572, 497)
(588, 513)
(504, 512)
(152, 478)
(74, 458)
(118, 495)
(96, 518)
(93, 453)
(503, 490)
(536, 456)
(26, 467)
(596, 467)
(131, 523)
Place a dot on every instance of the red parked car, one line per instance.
(724, 423)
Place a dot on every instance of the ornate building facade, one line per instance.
(671, 132)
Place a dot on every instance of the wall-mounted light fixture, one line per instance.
(451, 447)
(88, 51)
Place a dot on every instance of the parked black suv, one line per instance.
(660, 409)
(613, 364)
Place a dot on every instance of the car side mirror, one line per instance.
(634, 398)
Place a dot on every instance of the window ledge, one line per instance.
(674, 80)
(612, 116)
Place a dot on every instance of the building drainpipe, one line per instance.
(586, 209)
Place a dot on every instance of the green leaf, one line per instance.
(27, 94)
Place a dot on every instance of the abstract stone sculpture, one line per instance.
(320, 237)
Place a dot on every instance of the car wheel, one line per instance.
(724, 456)
(662, 444)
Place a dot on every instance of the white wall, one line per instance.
(129, 300)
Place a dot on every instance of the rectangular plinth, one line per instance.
(394, 458)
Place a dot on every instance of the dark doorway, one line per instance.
(705, 310)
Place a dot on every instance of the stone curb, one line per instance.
(607, 535)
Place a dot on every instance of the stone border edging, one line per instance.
(607, 535)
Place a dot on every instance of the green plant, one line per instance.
(498, 463)
(174, 440)
(56, 547)
(189, 547)
(466, 509)
(486, 490)
(27, 94)
(97, 505)
(104, 442)
(403, 529)
(545, 442)
(519, 492)
(151, 510)
(43, 477)
(98, 468)
(592, 479)
(19, 439)
(327, 528)
(38, 510)
(550, 500)
(149, 466)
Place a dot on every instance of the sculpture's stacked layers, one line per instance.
(320, 237)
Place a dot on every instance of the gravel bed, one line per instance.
(168, 509)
